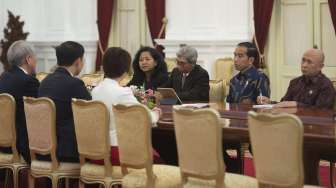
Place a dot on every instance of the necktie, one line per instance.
(184, 76)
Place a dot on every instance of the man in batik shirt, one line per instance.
(249, 83)
(312, 88)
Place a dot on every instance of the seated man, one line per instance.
(189, 80)
(245, 87)
(61, 86)
(249, 83)
(312, 88)
(19, 81)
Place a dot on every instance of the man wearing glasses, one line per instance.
(189, 80)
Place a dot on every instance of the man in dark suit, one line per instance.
(189, 80)
(61, 86)
(19, 81)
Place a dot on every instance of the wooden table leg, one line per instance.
(311, 166)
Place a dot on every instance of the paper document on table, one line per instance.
(196, 105)
(263, 106)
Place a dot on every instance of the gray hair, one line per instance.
(189, 53)
(18, 51)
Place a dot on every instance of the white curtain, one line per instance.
(129, 28)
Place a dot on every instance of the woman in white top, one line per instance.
(116, 64)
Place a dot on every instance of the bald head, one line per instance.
(316, 54)
(312, 62)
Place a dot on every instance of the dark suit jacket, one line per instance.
(61, 87)
(196, 86)
(19, 84)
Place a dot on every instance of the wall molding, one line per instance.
(46, 57)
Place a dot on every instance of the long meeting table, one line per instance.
(319, 132)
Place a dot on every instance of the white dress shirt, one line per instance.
(111, 93)
(24, 70)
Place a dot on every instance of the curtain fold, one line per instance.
(129, 26)
(262, 18)
(155, 13)
(104, 16)
(332, 7)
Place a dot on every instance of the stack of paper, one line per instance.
(263, 106)
(196, 105)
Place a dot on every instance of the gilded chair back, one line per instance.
(277, 149)
(133, 125)
(217, 90)
(224, 69)
(125, 80)
(199, 144)
(7, 123)
(41, 76)
(41, 127)
(92, 79)
(92, 131)
(171, 64)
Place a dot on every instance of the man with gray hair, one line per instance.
(189, 80)
(19, 81)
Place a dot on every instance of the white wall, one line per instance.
(213, 27)
(51, 22)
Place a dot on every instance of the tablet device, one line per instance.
(169, 96)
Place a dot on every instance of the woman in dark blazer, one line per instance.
(150, 69)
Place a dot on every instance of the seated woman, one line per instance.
(116, 64)
(149, 67)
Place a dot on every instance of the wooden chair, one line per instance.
(11, 161)
(133, 125)
(224, 69)
(92, 79)
(171, 64)
(277, 144)
(92, 120)
(217, 90)
(41, 76)
(125, 80)
(41, 128)
(199, 145)
(332, 172)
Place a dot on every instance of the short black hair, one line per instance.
(116, 62)
(251, 50)
(68, 52)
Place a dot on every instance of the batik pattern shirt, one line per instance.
(315, 91)
(247, 85)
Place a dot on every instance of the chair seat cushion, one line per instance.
(230, 180)
(89, 170)
(46, 167)
(6, 158)
(166, 176)
(311, 186)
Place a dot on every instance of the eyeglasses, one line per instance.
(180, 63)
